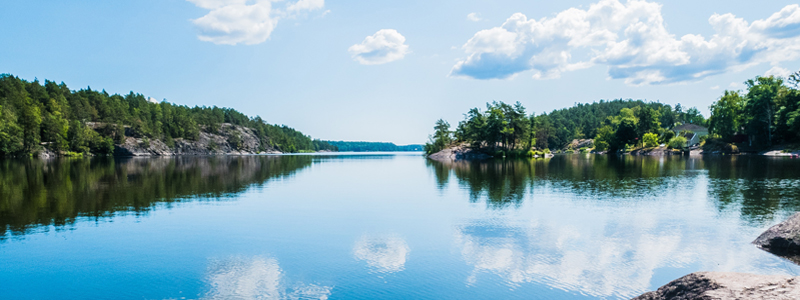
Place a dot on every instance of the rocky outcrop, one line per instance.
(459, 152)
(723, 286)
(577, 144)
(206, 144)
(782, 239)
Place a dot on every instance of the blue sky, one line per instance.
(386, 70)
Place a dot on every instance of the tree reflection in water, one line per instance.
(36, 193)
(758, 188)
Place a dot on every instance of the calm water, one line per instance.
(390, 226)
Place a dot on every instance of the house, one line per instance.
(694, 133)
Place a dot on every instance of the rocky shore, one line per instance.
(782, 239)
(723, 286)
(459, 152)
(206, 144)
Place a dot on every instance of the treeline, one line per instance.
(50, 115)
(766, 114)
(614, 124)
(584, 121)
(372, 146)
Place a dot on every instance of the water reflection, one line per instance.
(35, 193)
(758, 188)
(256, 278)
(384, 254)
(600, 259)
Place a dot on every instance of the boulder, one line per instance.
(459, 152)
(723, 286)
(782, 239)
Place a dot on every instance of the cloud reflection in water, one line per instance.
(256, 278)
(385, 254)
(601, 260)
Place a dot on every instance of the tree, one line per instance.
(442, 137)
(648, 120)
(11, 140)
(650, 139)
(726, 115)
(760, 107)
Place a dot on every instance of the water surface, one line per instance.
(389, 226)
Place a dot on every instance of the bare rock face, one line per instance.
(724, 286)
(460, 152)
(782, 239)
(206, 144)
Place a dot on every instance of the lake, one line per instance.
(383, 226)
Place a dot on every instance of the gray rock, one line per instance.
(206, 144)
(723, 286)
(459, 152)
(782, 239)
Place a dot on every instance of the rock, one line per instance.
(782, 239)
(577, 144)
(459, 152)
(206, 144)
(722, 286)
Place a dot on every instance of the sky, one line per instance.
(387, 70)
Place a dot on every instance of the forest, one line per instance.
(613, 124)
(34, 116)
(372, 146)
(767, 113)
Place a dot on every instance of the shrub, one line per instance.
(677, 142)
(547, 150)
(569, 151)
(584, 149)
(650, 140)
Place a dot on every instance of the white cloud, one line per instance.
(632, 40)
(386, 254)
(249, 22)
(474, 17)
(153, 100)
(384, 46)
(778, 72)
(716, 87)
(306, 5)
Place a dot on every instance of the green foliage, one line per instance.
(442, 137)
(727, 115)
(61, 119)
(677, 142)
(650, 139)
(560, 127)
(235, 140)
(500, 126)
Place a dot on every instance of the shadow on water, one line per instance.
(36, 193)
(760, 188)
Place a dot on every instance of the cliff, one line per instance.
(229, 139)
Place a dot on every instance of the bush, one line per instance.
(677, 142)
(547, 151)
(569, 151)
(584, 149)
(650, 140)
(668, 135)
(601, 146)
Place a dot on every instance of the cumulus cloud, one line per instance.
(386, 254)
(153, 100)
(249, 22)
(632, 40)
(306, 5)
(474, 17)
(778, 72)
(256, 278)
(384, 46)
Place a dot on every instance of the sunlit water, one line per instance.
(388, 226)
